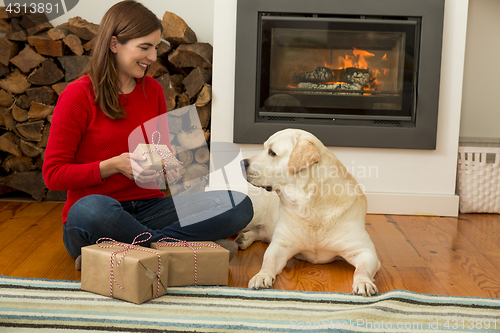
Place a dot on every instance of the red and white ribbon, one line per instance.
(125, 248)
(192, 245)
(164, 153)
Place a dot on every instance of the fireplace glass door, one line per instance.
(339, 68)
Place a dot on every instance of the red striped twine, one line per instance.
(193, 246)
(161, 152)
(126, 248)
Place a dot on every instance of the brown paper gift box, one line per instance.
(212, 264)
(136, 273)
(154, 160)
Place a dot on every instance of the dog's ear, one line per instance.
(304, 154)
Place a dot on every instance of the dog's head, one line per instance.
(286, 154)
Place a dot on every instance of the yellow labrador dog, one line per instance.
(317, 214)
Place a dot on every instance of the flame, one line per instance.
(358, 59)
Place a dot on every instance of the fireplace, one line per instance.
(359, 73)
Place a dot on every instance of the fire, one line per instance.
(358, 61)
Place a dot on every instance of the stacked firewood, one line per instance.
(38, 60)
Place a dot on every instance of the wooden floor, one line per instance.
(431, 255)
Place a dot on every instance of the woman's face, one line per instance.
(134, 56)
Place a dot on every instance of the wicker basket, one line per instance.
(479, 179)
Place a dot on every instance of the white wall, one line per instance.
(198, 14)
(405, 181)
(480, 104)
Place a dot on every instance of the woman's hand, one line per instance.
(126, 164)
(172, 176)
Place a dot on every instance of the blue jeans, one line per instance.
(96, 216)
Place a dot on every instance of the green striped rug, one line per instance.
(59, 306)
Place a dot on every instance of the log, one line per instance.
(185, 156)
(196, 80)
(74, 43)
(204, 114)
(47, 46)
(170, 90)
(45, 136)
(9, 142)
(6, 98)
(19, 115)
(23, 101)
(18, 164)
(194, 172)
(4, 70)
(7, 119)
(59, 32)
(89, 45)
(183, 100)
(206, 133)
(202, 155)
(35, 23)
(191, 139)
(44, 94)
(3, 13)
(82, 28)
(30, 182)
(73, 66)
(15, 83)
(59, 87)
(30, 149)
(334, 89)
(192, 55)
(31, 131)
(8, 50)
(39, 111)
(47, 74)
(27, 59)
(176, 31)
(157, 69)
(174, 123)
(16, 31)
(163, 50)
(4, 26)
(323, 74)
(205, 95)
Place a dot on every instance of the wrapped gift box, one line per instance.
(137, 273)
(154, 160)
(212, 263)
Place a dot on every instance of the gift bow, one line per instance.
(126, 248)
(193, 246)
(161, 152)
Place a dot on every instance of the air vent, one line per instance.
(281, 119)
(387, 122)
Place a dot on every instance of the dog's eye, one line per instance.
(271, 153)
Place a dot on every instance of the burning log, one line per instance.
(322, 74)
(334, 89)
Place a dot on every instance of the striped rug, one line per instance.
(27, 305)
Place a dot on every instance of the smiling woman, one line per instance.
(88, 153)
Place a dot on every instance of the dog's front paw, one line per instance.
(261, 281)
(364, 288)
(244, 240)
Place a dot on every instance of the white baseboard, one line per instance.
(412, 204)
(396, 203)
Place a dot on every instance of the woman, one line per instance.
(88, 149)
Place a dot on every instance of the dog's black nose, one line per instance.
(244, 164)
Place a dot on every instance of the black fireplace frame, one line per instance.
(417, 133)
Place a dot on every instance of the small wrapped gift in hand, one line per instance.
(158, 157)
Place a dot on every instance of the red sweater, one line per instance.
(81, 136)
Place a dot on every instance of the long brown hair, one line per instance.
(125, 20)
